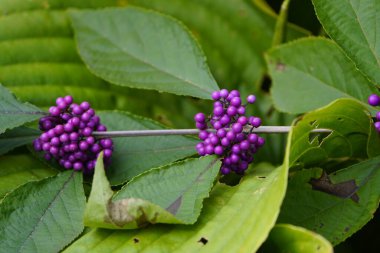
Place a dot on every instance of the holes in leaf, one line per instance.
(319, 137)
(203, 240)
(266, 83)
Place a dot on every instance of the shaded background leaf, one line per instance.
(17, 137)
(302, 81)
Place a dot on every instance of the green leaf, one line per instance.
(169, 194)
(234, 219)
(142, 49)
(347, 142)
(20, 169)
(13, 113)
(233, 33)
(13, 6)
(17, 137)
(43, 216)
(353, 25)
(134, 155)
(311, 73)
(289, 238)
(333, 216)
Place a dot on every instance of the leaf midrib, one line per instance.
(51, 204)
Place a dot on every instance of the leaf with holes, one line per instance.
(14, 113)
(354, 26)
(301, 84)
(133, 156)
(338, 207)
(43, 216)
(248, 209)
(347, 143)
(289, 238)
(170, 194)
(17, 170)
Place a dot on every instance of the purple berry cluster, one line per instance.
(223, 133)
(374, 100)
(67, 136)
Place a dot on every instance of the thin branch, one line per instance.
(280, 29)
(136, 133)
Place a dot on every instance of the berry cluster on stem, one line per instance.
(230, 142)
(67, 136)
(374, 100)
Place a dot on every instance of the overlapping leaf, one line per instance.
(303, 81)
(354, 26)
(135, 155)
(170, 194)
(248, 210)
(289, 238)
(43, 216)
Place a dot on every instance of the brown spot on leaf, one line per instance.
(280, 66)
(136, 240)
(261, 177)
(343, 190)
(203, 240)
(346, 229)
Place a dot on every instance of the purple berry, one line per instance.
(78, 166)
(200, 117)
(224, 93)
(218, 150)
(218, 111)
(91, 140)
(68, 127)
(203, 135)
(231, 111)
(106, 143)
(83, 145)
(374, 100)
(55, 141)
(237, 127)
(101, 128)
(68, 99)
(225, 170)
(107, 153)
(225, 142)
(242, 120)
(200, 126)
(85, 106)
(67, 165)
(64, 138)
(215, 95)
(235, 101)
(244, 145)
(241, 110)
(59, 129)
(221, 133)
(251, 99)
(87, 131)
(54, 111)
(255, 121)
(252, 138)
(209, 149)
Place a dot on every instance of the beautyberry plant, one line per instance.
(227, 133)
(68, 136)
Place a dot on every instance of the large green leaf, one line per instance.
(354, 26)
(20, 169)
(333, 216)
(14, 113)
(350, 139)
(135, 155)
(142, 49)
(169, 194)
(288, 238)
(43, 216)
(17, 137)
(234, 219)
(338, 204)
(233, 33)
(311, 73)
